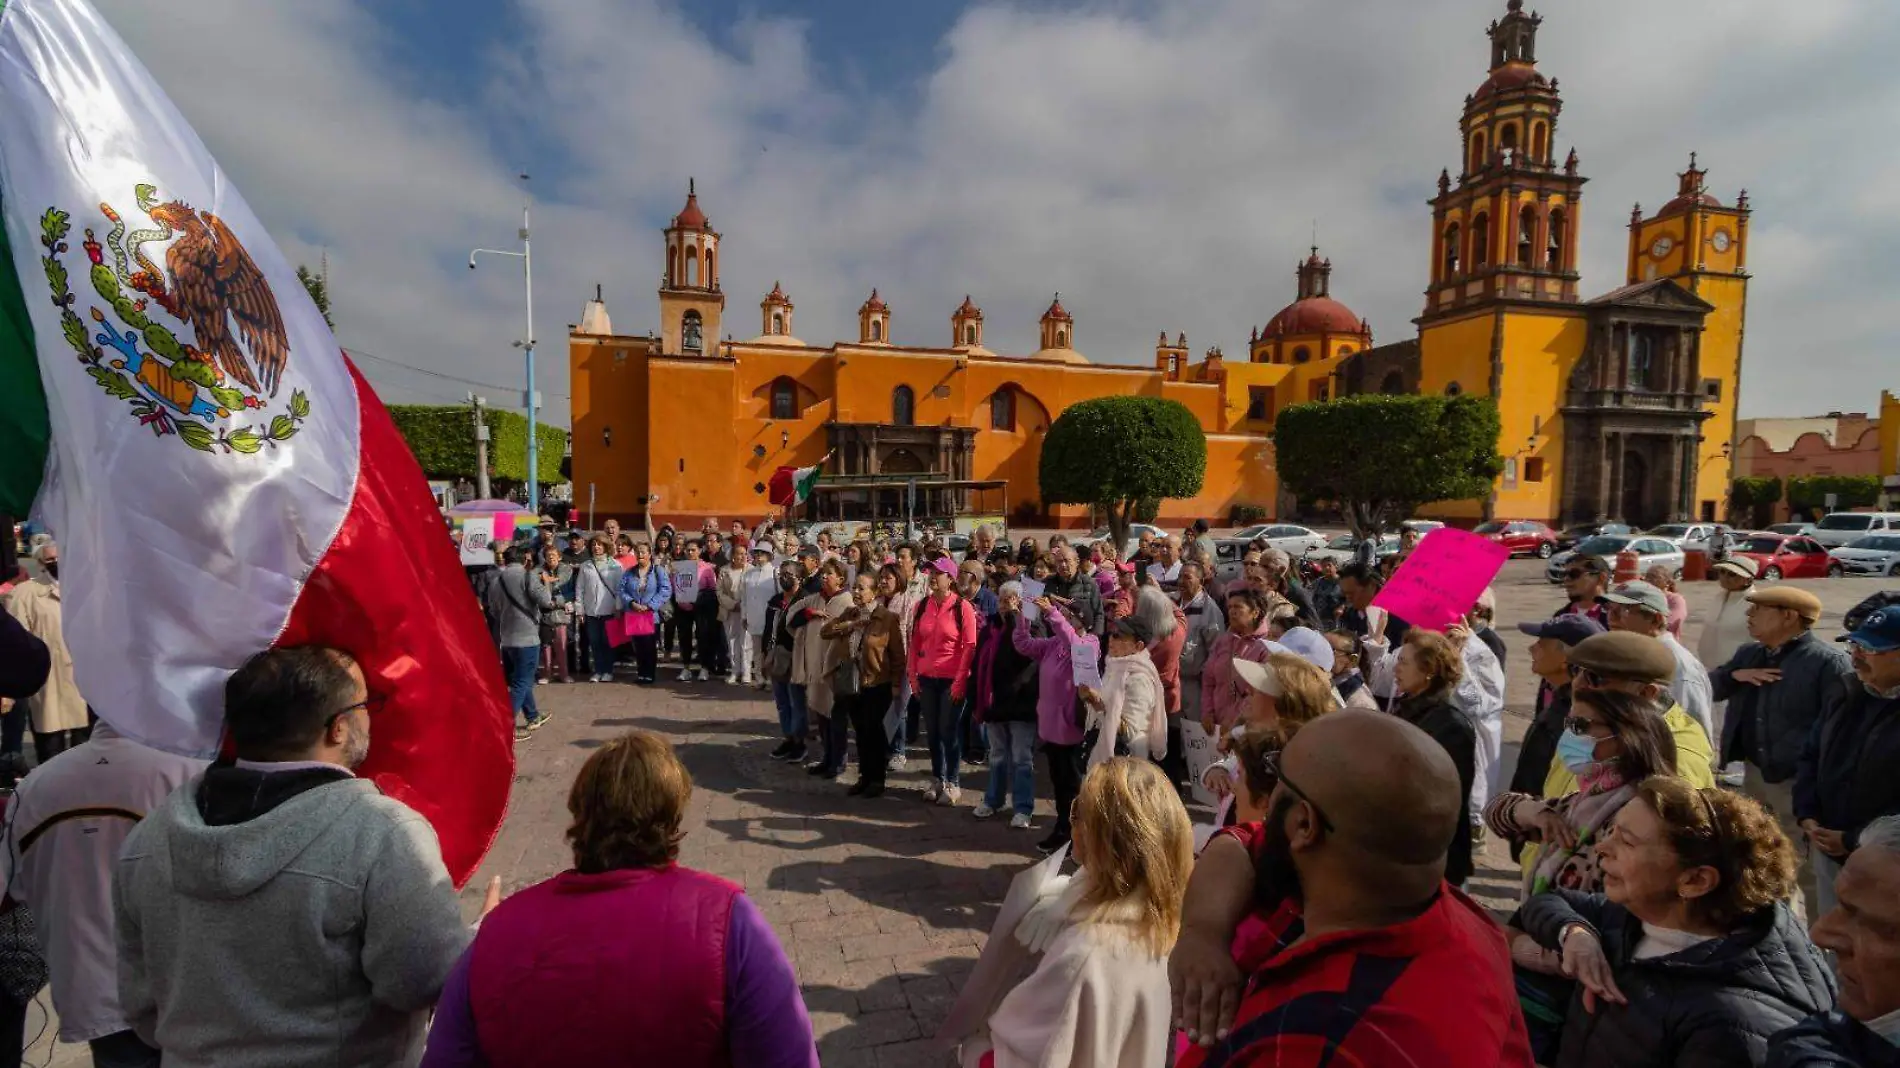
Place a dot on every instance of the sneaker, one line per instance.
(521, 734)
(876, 789)
(931, 791)
(596, 678)
(784, 747)
(535, 724)
(1020, 821)
(732, 680)
(858, 788)
(1477, 836)
(540, 682)
(797, 755)
(817, 767)
(951, 794)
(686, 674)
(897, 762)
(1055, 841)
(982, 810)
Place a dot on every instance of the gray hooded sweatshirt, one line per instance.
(317, 933)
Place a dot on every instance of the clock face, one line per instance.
(1720, 241)
(1662, 246)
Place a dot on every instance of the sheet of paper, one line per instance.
(1199, 748)
(1083, 666)
(1004, 961)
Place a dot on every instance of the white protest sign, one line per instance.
(1200, 749)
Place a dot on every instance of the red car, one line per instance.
(1521, 536)
(1782, 556)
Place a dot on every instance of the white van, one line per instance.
(1839, 528)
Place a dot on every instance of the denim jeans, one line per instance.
(600, 655)
(901, 704)
(790, 699)
(518, 665)
(943, 726)
(1012, 765)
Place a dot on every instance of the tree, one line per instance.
(443, 439)
(1380, 457)
(1112, 452)
(319, 288)
(1809, 494)
(1754, 498)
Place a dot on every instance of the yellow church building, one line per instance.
(1622, 406)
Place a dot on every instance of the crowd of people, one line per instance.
(1707, 843)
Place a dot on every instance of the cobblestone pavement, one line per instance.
(882, 905)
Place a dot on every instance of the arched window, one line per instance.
(1345, 351)
(784, 399)
(1526, 236)
(1555, 252)
(712, 268)
(1451, 251)
(778, 322)
(672, 265)
(877, 330)
(1393, 384)
(1453, 389)
(1480, 241)
(692, 266)
(1301, 355)
(1477, 151)
(1062, 338)
(903, 406)
(690, 339)
(1643, 363)
(969, 334)
(1540, 137)
(1507, 140)
(1003, 409)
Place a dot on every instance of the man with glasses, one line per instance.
(1777, 687)
(278, 910)
(1848, 773)
(1366, 955)
(1585, 582)
(1640, 608)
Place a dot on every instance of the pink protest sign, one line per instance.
(1442, 579)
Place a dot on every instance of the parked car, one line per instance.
(1839, 528)
(1789, 528)
(1341, 548)
(1421, 526)
(1295, 541)
(1782, 556)
(1570, 536)
(1876, 554)
(1688, 535)
(1650, 551)
(1520, 536)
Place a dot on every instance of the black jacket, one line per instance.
(1846, 776)
(229, 794)
(1767, 725)
(1453, 730)
(1831, 1040)
(1540, 744)
(1713, 1005)
(24, 659)
(1014, 678)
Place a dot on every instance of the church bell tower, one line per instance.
(691, 302)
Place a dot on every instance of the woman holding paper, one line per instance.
(1099, 998)
(1056, 724)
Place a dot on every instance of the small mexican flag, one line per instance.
(792, 485)
(219, 477)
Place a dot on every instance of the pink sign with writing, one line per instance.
(1442, 579)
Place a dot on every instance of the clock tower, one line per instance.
(1702, 245)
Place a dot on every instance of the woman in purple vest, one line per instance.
(627, 958)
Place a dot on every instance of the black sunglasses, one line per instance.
(1271, 761)
(1579, 726)
(1590, 677)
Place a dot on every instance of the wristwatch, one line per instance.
(1563, 934)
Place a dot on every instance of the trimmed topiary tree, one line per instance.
(1754, 498)
(443, 439)
(1120, 453)
(1382, 456)
(1808, 495)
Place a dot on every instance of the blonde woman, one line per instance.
(1099, 997)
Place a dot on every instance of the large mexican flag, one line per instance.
(218, 475)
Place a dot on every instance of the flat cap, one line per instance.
(1640, 594)
(1791, 598)
(1621, 654)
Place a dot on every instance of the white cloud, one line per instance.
(1160, 165)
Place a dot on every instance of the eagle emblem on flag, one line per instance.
(212, 380)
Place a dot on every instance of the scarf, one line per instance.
(1588, 812)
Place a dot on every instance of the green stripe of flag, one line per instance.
(24, 426)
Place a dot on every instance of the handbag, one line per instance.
(846, 678)
(778, 663)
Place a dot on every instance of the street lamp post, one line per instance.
(526, 256)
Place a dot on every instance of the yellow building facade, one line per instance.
(1617, 407)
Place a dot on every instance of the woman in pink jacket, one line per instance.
(1056, 724)
(942, 645)
(1223, 695)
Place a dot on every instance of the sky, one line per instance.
(1162, 165)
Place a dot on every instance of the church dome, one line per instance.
(1687, 201)
(1314, 315)
(1061, 355)
(1509, 77)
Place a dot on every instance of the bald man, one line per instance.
(1348, 872)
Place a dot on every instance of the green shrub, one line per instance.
(443, 439)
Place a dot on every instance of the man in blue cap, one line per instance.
(1550, 659)
(1845, 777)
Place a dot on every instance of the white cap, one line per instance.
(1261, 677)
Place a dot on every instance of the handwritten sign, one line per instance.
(476, 536)
(1200, 750)
(1083, 666)
(1442, 579)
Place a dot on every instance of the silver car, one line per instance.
(1295, 541)
(1650, 551)
(1877, 554)
(1688, 535)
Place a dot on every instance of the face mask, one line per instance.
(52, 569)
(1578, 753)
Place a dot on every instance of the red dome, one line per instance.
(690, 217)
(1687, 201)
(1511, 76)
(1314, 315)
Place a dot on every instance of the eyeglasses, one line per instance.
(373, 704)
(1588, 677)
(1271, 762)
(1581, 727)
(1577, 573)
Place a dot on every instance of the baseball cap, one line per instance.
(1791, 598)
(1739, 565)
(1311, 646)
(1569, 628)
(1623, 654)
(1878, 633)
(1261, 677)
(1130, 627)
(1125, 565)
(944, 565)
(765, 547)
(1638, 593)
